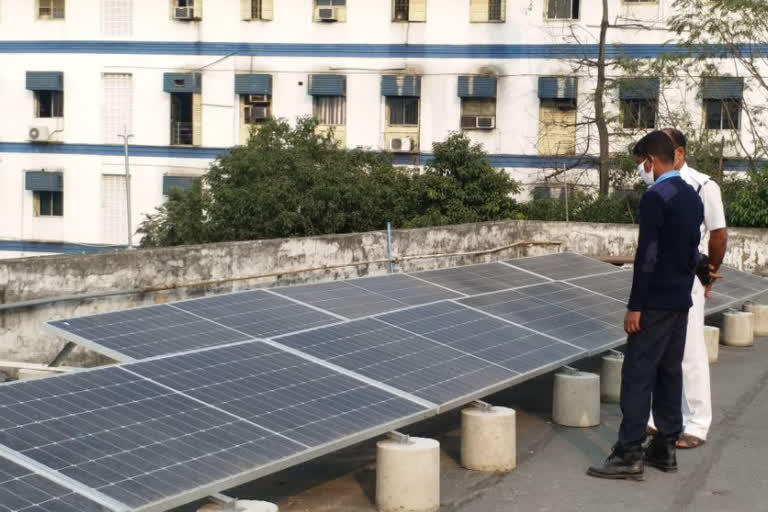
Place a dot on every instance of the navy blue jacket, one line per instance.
(671, 214)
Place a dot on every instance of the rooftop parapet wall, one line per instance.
(121, 280)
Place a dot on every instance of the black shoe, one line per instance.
(662, 454)
(621, 465)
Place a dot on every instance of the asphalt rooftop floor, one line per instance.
(727, 474)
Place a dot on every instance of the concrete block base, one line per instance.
(760, 312)
(576, 400)
(488, 439)
(738, 329)
(241, 506)
(712, 339)
(408, 475)
(610, 378)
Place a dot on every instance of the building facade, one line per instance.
(185, 79)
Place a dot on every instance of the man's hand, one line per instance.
(713, 276)
(632, 322)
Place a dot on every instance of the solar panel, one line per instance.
(564, 265)
(475, 279)
(145, 332)
(304, 401)
(364, 297)
(580, 317)
(257, 313)
(22, 490)
(512, 347)
(617, 285)
(132, 440)
(738, 284)
(400, 359)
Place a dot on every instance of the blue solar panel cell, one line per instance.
(258, 313)
(132, 440)
(148, 332)
(475, 279)
(365, 297)
(22, 490)
(401, 359)
(565, 265)
(302, 400)
(496, 341)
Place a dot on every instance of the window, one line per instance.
(495, 10)
(117, 17)
(50, 9)
(181, 119)
(114, 209)
(48, 204)
(722, 114)
(261, 10)
(330, 110)
(118, 100)
(256, 108)
(403, 111)
(478, 113)
(563, 9)
(638, 113)
(49, 104)
(409, 10)
(557, 126)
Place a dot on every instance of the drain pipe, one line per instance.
(389, 248)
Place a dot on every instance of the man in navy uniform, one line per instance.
(671, 214)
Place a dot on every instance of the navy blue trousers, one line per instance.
(653, 374)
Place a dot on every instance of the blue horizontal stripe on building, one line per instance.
(426, 51)
(497, 160)
(54, 247)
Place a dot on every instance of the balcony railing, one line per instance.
(181, 133)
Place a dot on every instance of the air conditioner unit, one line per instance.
(256, 114)
(38, 133)
(184, 13)
(400, 144)
(258, 98)
(486, 122)
(327, 14)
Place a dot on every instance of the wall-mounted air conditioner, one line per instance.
(400, 144)
(38, 134)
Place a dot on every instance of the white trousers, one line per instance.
(697, 398)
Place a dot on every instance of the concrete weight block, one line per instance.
(712, 339)
(760, 312)
(241, 506)
(576, 400)
(408, 475)
(488, 439)
(738, 329)
(610, 378)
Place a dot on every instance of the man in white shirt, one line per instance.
(697, 400)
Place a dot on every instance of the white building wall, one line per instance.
(368, 22)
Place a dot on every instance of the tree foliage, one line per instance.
(289, 182)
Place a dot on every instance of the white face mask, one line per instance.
(648, 177)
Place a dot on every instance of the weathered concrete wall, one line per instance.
(160, 275)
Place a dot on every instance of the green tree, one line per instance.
(460, 185)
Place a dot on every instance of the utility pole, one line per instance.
(126, 136)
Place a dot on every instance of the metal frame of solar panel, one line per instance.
(406, 347)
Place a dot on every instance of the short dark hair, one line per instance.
(658, 144)
(678, 139)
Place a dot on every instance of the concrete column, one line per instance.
(610, 378)
(712, 339)
(240, 506)
(408, 475)
(576, 400)
(738, 329)
(488, 439)
(760, 312)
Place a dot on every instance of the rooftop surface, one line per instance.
(726, 474)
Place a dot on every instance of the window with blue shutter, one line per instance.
(477, 87)
(639, 99)
(556, 87)
(722, 102)
(45, 81)
(401, 85)
(253, 84)
(42, 181)
(327, 85)
(182, 82)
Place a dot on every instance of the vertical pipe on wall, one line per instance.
(389, 248)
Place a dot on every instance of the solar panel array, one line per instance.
(217, 391)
